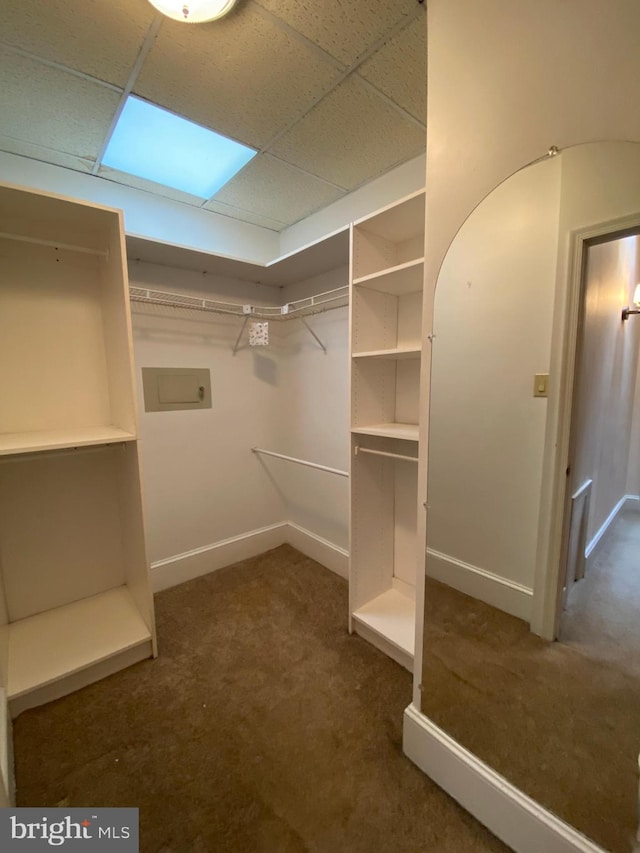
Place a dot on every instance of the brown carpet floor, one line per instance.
(602, 618)
(262, 726)
(560, 721)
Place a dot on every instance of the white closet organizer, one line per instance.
(387, 272)
(75, 601)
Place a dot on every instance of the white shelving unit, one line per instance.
(387, 273)
(75, 600)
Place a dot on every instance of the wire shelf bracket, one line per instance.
(298, 309)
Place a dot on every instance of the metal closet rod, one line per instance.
(385, 453)
(300, 461)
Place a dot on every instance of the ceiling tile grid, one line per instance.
(96, 37)
(332, 93)
(399, 68)
(45, 154)
(51, 108)
(245, 215)
(245, 77)
(277, 190)
(350, 137)
(343, 28)
(148, 186)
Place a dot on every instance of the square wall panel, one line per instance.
(52, 108)
(352, 136)
(399, 68)
(242, 76)
(343, 28)
(274, 189)
(102, 39)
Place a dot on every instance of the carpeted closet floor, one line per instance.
(559, 720)
(262, 726)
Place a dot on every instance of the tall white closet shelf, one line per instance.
(387, 273)
(75, 601)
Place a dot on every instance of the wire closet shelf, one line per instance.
(336, 298)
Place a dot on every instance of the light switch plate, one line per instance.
(541, 385)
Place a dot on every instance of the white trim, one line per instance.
(511, 815)
(548, 579)
(331, 556)
(193, 564)
(382, 643)
(7, 784)
(597, 538)
(596, 542)
(505, 594)
(210, 558)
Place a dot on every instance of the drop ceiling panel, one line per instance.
(352, 136)
(245, 215)
(275, 189)
(52, 108)
(101, 39)
(148, 186)
(399, 68)
(44, 154)
(344, 28)
(244, 76)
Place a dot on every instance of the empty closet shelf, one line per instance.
(63, 641)
(396, 354)
(391, 616)
(57, 439)
(398, 280)
(408, 432)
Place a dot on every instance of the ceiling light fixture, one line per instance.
(193, 11)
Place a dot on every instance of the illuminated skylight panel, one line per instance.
(152, 143)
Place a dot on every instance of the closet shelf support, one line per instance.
(239, 338)
(304, 462)
(311, 332)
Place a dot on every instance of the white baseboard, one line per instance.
(7, 784)
(516, 819)
(506, 595)
(210, 558)
(319, 549)
(597, 541)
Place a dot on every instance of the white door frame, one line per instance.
(547, 592)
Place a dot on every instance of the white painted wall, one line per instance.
(201, 482)
(202, 485)
(506, 80)
(548, 91)
(493, 315)
(314, 409)
(606, 375)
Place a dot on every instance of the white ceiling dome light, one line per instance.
(193, 11)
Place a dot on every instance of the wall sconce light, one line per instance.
(636, 304)
(193, 11)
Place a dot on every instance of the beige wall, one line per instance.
(606, 378)
(507, 80)
(493, 313)
(201, 483)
